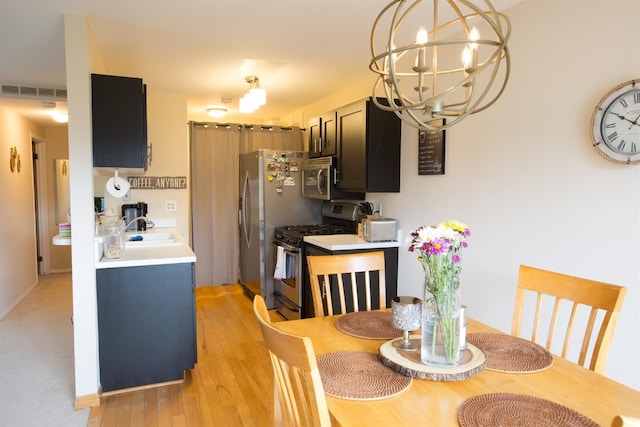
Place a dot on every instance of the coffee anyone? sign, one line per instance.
(157, 182)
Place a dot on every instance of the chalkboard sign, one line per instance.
(431, 151)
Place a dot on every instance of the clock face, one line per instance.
(616, 124)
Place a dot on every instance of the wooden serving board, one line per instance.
(408, 363)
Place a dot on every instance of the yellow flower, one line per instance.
(456, 225)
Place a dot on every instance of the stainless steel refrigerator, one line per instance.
(270, 197)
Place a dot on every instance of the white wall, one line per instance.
(18, 267)
(79, 56)
(167, 131)
(524, 177)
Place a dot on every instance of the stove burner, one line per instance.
(294, 234)
(310, 230)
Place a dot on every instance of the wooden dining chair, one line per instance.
(327, 274)
(604, 301)
(625, 421)
(299, 398)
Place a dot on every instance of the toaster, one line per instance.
(375, 229)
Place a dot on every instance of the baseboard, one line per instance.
(60, 270)
(87, 401)
(142, 387)
(17, 301)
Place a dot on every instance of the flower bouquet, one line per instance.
(438, 249)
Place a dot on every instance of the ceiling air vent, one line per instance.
(32, 92)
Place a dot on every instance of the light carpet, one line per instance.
(36, 359)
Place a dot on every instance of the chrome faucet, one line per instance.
(126, 227)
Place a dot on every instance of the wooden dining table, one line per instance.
(435, 403)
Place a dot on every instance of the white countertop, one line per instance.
(175, 253)
(59, 240)
(345, 242)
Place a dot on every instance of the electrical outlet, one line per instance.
(127, 196)
(169, 205)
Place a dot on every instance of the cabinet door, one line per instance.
(328, 125)
(118, 121)
(314, 137)
(352, 157)
(146, 326)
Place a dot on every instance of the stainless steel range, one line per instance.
(337, 218)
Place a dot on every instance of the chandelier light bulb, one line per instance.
(422, 36)
(474, 36)
(466, 57)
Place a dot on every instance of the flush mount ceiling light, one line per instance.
(454, 69)
(255, 96)
(60, 117)
(216, 112)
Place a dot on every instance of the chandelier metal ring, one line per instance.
(447, 72)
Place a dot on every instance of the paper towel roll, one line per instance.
(117, 187)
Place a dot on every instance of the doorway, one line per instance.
(40, 203)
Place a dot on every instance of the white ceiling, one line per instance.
(302, 50)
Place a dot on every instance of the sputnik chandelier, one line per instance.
(458, 67)
(255, 96)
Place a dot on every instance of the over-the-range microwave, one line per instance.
(319, 181)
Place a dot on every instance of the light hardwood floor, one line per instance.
(231, 385)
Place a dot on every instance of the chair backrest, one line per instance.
(624, 421)
(601, 297)
(327, 269)
(299, 398)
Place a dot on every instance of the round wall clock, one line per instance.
(615, 124)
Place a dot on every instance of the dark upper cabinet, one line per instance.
(368, 141)
(314, 137)
(322, 135)
(119, 121)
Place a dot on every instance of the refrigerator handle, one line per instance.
(243, 219)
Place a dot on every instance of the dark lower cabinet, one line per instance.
(146, 324)
(391, 279)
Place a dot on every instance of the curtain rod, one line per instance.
(244, 126)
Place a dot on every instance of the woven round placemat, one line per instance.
(506, 353)
(358, 375)
(507, 409)
(375, 325)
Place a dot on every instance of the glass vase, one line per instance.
(440, 322)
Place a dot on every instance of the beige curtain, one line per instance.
(215, 150)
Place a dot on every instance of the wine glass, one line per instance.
(406, 314)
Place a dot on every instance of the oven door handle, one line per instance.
(285, 302)
(287, 248)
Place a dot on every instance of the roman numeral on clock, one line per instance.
(612, 137)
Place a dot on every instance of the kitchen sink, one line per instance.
(151, 239)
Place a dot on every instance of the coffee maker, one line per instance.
(133, 211)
